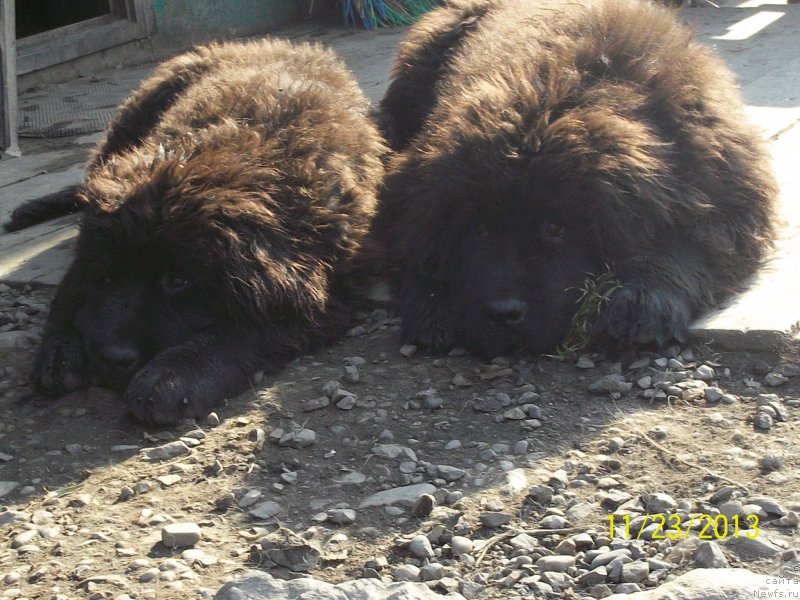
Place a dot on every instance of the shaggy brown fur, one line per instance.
(555, 138)
(223, 214)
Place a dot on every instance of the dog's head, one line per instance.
(501, 215)
(172, 246)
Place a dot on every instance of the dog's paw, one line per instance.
(61, 365)
(637, 316)
(430, 330)
(159, 395)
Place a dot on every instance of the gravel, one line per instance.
(454, 477)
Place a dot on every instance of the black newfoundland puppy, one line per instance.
(543, 142)
(223, 217)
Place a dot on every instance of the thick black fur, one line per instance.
(553, 140)
(224, 216)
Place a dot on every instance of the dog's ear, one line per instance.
(267, 270)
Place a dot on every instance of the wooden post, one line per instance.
(9, 143)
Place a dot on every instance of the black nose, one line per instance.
(120, 359)
(508, 311)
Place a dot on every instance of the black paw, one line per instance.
(638, 316)
(159, 395)
(61, 366)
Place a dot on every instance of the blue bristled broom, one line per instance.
(384, 13)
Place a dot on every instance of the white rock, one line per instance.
(404, 495)
(181, 535)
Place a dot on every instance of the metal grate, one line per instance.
(83, 105)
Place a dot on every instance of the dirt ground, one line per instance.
(96, 505)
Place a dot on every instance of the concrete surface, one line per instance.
(759, 40)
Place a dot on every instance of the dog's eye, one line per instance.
(174, 283)
(553, 230)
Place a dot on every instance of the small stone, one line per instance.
(350, 374)
(635, 572)
(431, 572)
(460, 381)
(708, 555)
(265, 510)
(494, 520)
(301, 438)
(404, 495)
(763, 421)
(659, 432)
(212, 420)
(408, 351)
(423, 506)
(558, 480)
(771, 462)
(713, 395)
(449, 473)
(169, 479)
(541, 494)
(775, 379)
(660, 504)
(406, 572)
(180, 535)
(516, 413)
(610, 384)
(525, 542)
(249, 498)
(593, 577)
(460, 545)
(420, 547)
(557, 563)
(704, 373)
(165, 452)
(553, 522)
(584, 362)
(342, 516)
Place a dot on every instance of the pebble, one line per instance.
(408, 351)
(553, 522)
(634, 572)
(420, 547)
(709, 555)
(406, 572)
(166, 452)
(610, 384)
(558, 563)
(342, 516)
(704, 373)
(460, 545)
(265, 510)
(249, 498)
(394, 451)
(404, 495)
(180, 535)
(494, 520)
(449, 473)
(762, 421)
(298, 438)
(423, 506)
(774, 379)
(660, 504)
(431, 572)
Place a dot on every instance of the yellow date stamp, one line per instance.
(674, 527)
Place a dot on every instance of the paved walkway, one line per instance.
(759, 40)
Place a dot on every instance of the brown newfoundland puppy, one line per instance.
(223, 214)
(541, 143)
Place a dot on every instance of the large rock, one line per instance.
(255, 585)
(718, 584)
